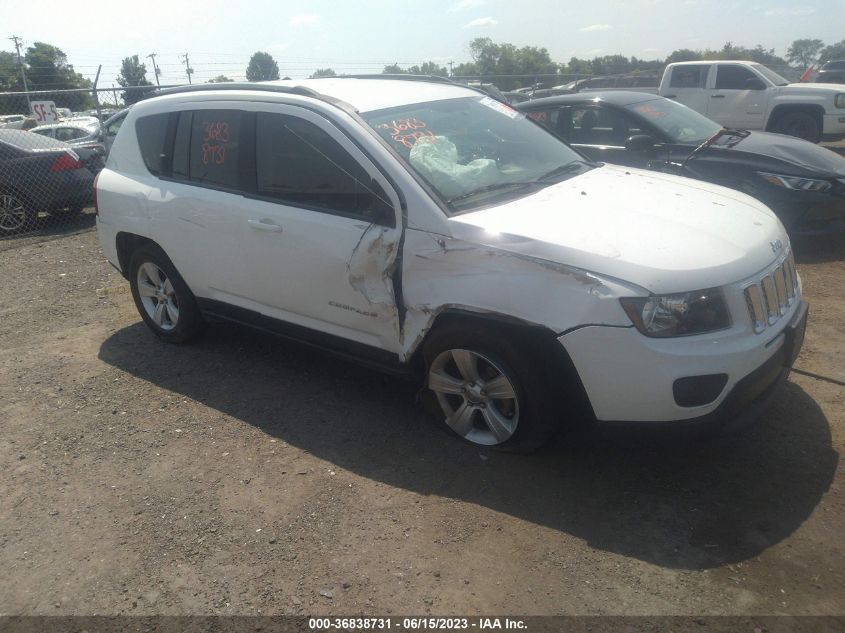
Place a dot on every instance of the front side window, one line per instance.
(731, 77)
(475, 151)
(299, 163)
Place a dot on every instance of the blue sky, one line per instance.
(220, 35)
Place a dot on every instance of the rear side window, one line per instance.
(298, 163)
(693, 76)
(214, 147)
(152, 132)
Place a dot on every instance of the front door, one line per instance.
(734, 102)
(322, 230)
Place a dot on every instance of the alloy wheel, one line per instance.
(476, 395)
(12, 213)
(158, 296)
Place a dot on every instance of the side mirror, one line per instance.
(754, 84)
(639, 143)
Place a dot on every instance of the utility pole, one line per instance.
(451, 63)
(152, 56)
(94, 90)
(17, 42)
(188, 70)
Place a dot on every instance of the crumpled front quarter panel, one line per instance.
(442, 273)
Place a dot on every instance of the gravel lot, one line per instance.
(244, 475)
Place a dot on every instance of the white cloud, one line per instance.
(304, 19)
(787, 12)
(463, 5)
(488, 21)
(596, 27)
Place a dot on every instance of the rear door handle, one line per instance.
(717, 96)
(264, 225)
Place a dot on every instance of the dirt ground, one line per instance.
(244, 475)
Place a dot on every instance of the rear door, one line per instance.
(688, 85)
(738, 98)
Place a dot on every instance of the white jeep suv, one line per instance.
(425, 227)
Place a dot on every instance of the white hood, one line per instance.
(661, 232)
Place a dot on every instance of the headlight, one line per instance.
(839, 102)
(681, 314)
(797, 183)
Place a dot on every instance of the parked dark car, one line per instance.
(39, 174)
(84, 135)
(832, 72)
(804, 184)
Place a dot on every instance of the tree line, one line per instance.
(507, 65)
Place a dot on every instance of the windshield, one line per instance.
(771, 75)
(475, 151)
(678, 122)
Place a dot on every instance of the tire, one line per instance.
(464, 361)
(15, 215)
(162, 297)
(800, 124)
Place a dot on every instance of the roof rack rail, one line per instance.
(261, 87)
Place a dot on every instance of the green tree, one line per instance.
(323, 72)
(133, 73)
(507, 65)
(47, 68)
(834, 51)
(262, 67)
(393, 69)
(683, 55)
(803, 53)
(219, 79)
(578, 66)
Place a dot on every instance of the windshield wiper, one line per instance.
(704, 146)
(494, 187)
(560, 170)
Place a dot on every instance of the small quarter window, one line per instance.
(152, 131)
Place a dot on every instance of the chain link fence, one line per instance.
(52, 145)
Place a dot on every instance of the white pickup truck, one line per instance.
(747, 95)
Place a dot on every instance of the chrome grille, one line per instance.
(770, 298)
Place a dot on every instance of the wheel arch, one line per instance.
(126, 244)
(537, 340)
(782, 109)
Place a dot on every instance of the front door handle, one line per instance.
(264, 225)
(717, 96)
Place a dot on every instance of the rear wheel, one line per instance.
(800, 124)
(162, 297)
(489, 390)
(14, 215)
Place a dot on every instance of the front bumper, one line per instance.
(628, 377)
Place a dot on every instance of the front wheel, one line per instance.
(162, 297)
(800, 124)
(489, 391)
